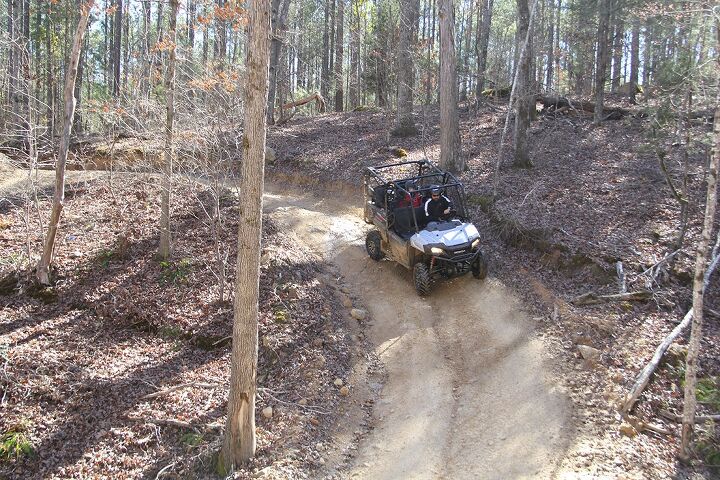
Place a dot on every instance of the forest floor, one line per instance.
(499, 386)
(594, 197)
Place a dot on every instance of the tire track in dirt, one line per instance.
(469, 392)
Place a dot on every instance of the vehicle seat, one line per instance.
(404, 224)
(378, 195)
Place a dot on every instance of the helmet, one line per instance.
(435, 190)
(410, 185)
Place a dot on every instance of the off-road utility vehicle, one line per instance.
(440, 246)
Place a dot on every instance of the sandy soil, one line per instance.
(469, 391)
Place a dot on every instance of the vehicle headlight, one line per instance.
(437, 251)
(476, 243)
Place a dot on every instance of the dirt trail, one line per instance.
(469, 392)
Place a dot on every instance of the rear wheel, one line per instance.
(421, 275)
(372, 245)
(479, 267)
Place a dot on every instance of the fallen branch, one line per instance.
(622, 286)
(654, 428)
(592, 299)
(644, 377)
(311, 408)
(560, 104)
(698, 418)
(178, 387)
(319, 101)
(164, 421)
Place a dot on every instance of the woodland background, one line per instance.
(612, 103)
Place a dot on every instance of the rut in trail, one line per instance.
(469, 393)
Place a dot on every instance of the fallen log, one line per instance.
(644, 377)
(556, 104)
(319, 102)
(592, 299)
(178, 387)
(164, 421)
(698, 418)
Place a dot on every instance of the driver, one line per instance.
(437, 205)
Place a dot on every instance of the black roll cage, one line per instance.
(426, 170)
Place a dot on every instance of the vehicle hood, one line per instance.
(455, 237)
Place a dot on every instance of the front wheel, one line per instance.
(421, 275)
(480, 267)
(372, 245)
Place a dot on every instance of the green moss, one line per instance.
(170, 332)
(175, 272)
(191, 439)
(483, 201)
(405, 131)
(15, 444)
(708, 392)
(281, 316)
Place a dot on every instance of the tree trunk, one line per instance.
(404, 122)
(206, 45)
(380, 54)
(239, 442)
(219, 52)
(482, 46)
(43, 267)
(602, 57)
(165, 240)
(618, 45)
(430, 50)
(145, 81)
(691, 365)
(159, 20)
(648, 37)
(354, 77)
(117, 48)
(325, 71)
(466, 56)
(126, 48)
(13, 62)
(450, 156)
(50, 82)
(557, 80)
(25, 82)
(522, 114)
(550, 48)
(279, 27)
(191, 15)
(77, 120)
(339, 44)
(634, 59)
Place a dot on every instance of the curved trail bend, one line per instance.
(469, 392)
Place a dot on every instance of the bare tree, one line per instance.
(165, 241)
(634, 59)
(326, 54)
(339, 84)
(450, 156)
(618, 24)
(481, 47)
(239, 442)
(117, 48)
(522, 85)
(404, 123)
(701, 260)
(43, 267)
(603, 53)
(279, 27)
